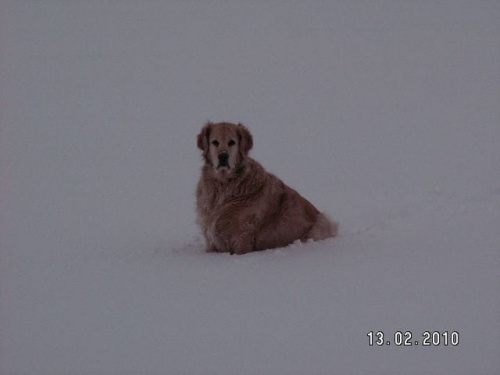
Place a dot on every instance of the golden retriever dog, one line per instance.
(241, 207)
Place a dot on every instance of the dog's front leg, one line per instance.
(235, 238)
(242, 241)
(244, 234)
(209, 240)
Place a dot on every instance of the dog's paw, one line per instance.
(212, 249)
(241, 250)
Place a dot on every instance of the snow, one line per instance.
(384, 114)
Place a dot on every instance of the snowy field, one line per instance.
(384, 114)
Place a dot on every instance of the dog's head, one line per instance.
(225, 147)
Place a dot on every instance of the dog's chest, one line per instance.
(211, 199)
(219, 198)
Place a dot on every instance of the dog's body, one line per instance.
(243, 208)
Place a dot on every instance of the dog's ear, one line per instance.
(202, 138)
(245, 139)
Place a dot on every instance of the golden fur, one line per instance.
(243, 208)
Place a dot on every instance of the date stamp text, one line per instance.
(407, 338)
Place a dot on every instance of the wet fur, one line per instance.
(243, 208)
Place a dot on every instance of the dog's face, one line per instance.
(225, 147)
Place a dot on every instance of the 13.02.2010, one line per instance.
(406, 338)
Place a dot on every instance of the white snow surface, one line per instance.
(384, 114)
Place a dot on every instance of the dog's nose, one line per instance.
(223, 157)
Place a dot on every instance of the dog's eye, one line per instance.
(231, 143)
(215, 143)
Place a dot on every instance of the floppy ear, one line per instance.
(202, 138)
(245, 139)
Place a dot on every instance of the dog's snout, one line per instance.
(223, 157)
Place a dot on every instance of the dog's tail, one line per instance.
(324, 228)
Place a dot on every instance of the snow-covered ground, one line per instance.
(385, 114)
